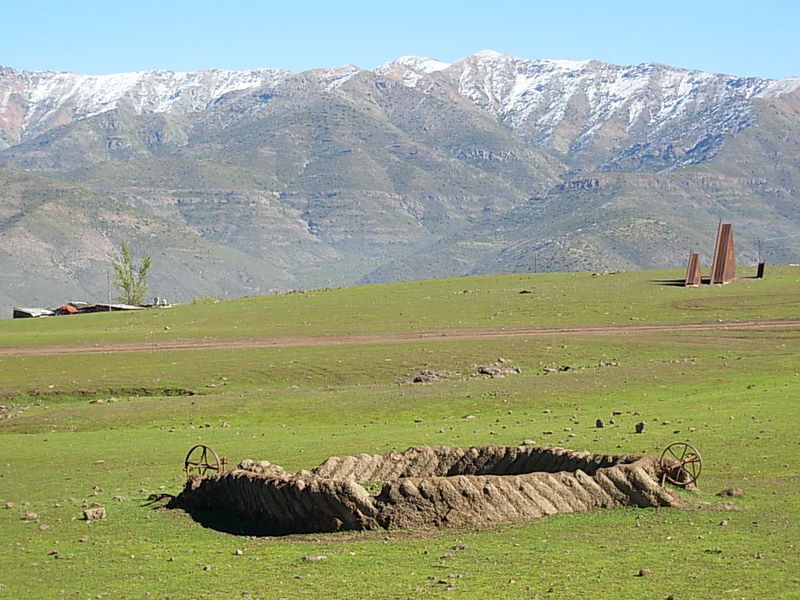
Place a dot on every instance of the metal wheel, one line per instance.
(680, 464)
(201, 460)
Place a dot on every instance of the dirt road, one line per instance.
(384, 338)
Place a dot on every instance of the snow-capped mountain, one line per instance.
(596, 114)
(245, 182)
(575, 106)
(33, 102)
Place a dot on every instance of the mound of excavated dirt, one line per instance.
(429, 486)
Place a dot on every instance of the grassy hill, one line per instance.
(80, 426)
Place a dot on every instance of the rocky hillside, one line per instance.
(249, 182)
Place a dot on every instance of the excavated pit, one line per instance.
(427, 486)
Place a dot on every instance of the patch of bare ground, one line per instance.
(10, 411)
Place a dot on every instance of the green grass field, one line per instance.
(112, 428)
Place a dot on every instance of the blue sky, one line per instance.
(753, 38)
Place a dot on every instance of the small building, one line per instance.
(32, 313)
(103, 307)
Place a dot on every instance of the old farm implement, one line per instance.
(680, 464)
(202, 460)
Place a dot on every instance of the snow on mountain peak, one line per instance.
(781, 87)
(492, 55)
(422, 64)
(39, 100)
(534, 98)
(411, 69)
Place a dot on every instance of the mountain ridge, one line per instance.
(160, 91)
(418, 168)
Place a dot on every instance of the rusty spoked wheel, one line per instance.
(680, 464)
(201, 460)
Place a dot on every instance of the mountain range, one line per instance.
(251, 182)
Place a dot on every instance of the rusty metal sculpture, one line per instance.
(680, 464)
(693, 270)
(201, 460)
(723, 267)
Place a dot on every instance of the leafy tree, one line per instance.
(130, 281)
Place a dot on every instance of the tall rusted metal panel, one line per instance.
(723, 267)
(693, 270)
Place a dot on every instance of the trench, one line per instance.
(422, 487)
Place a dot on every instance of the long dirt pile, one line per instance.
(429, 486)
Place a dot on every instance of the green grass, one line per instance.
(485, 302)
(732, 393)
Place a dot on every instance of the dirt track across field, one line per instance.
(385, 338)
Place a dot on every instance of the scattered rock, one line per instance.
(528, 443)
(497, 370)
(640, 426)
(723, 523)
(238, 552)
(10, 505)
(84, 539)
(732, 491)
(599, 423)
(458, 547)
(94, 514)
(428, 376)
(314, 558)
(644, 573)
(30, 516)
(616, 413)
